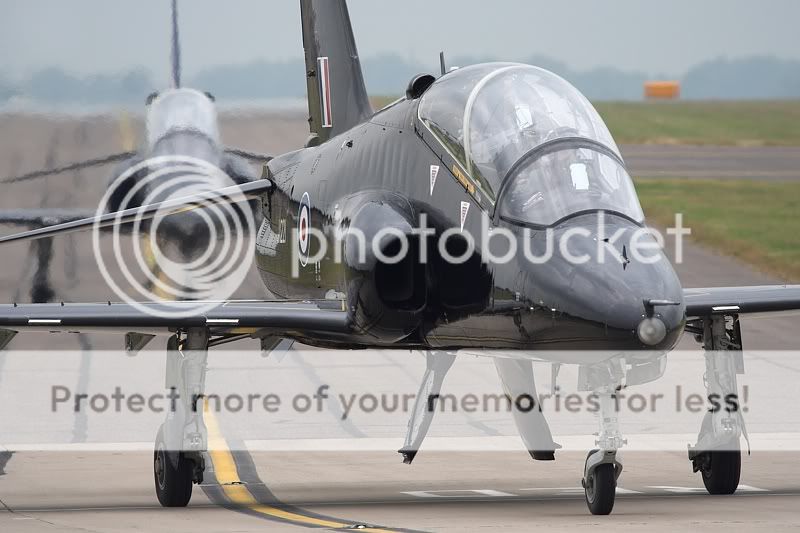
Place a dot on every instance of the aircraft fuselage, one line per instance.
(379, 175)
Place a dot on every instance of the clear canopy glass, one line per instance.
(181, 110)
(568, 181)
(489, 116)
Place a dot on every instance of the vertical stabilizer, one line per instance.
(337, 97)
(175, 56)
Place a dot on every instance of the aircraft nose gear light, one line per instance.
(652, 330)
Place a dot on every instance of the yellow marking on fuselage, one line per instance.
(463, 180)
(237, 493)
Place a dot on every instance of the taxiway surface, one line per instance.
(78, 490)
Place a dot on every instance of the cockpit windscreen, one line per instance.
(564, 182)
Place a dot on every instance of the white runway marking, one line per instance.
(459, 493)
(564, 491)
(575, 490)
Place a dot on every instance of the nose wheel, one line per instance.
(600, 486)
(603, 466)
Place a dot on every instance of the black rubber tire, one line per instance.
(600, 490)
(724, 471)
(173, 481)
(723, 468)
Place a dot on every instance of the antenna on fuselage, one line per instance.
(442, 64)
(176, 48)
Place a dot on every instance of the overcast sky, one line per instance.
(657, 37)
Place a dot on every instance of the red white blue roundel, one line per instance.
(303, 228)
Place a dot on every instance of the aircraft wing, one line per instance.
(741, 300)
(89, 163)
(237, 193)
(251, 156)
(43, 216)
(324, 316)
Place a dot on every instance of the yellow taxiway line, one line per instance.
(236, 492)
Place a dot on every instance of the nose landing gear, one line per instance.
(603, 466)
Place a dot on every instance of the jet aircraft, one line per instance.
(509, 144)
(181, 123)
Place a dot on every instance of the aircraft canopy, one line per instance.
(489, 116)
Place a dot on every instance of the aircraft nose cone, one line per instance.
(607, 285)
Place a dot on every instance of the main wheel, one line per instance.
(721, 471)
(173, 475)
(600, 489)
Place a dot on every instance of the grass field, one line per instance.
(720, 123)
(771, 123)
(756, 221)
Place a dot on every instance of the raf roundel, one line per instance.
(303, 227)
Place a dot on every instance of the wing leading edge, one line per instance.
(741, 300)
(43, 216)
(237, 193)
(323, 316)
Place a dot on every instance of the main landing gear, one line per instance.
(178, 458)
(717, 455)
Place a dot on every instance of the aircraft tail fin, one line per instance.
(337, 96)
(175, 53)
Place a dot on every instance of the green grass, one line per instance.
(379, 102)
(708, 122)
(756, 221)
(771, 123)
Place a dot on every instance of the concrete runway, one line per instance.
(77, 490)
(716, 162)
